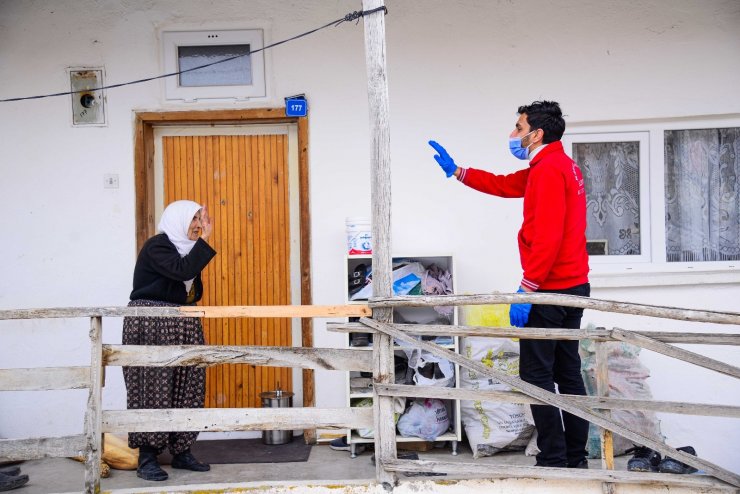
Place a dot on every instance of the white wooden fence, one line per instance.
(593, 408)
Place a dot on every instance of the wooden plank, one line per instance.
(253, 263)
(277, 311)
(235, 419)
(144, 180)
(592, 402)
(304, 210)
(312, 311)
(69, 312)
(676, 313)
(602, 389)
(42, 447)
(210, 355)
(230, 279)
(256, 115)
(598, 334)
(331, 311)
(209, 275)
(269, 249)
(380, 190)
(93, 429)
(44, 378)
(239, 276)
(280, 177)
(497, 471)
(675, 352)
(263, 240)
(563, 403)
(175, 187)
(189, 159)
(222, 243)
(141, 177)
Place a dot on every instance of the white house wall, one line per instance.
(457, 72)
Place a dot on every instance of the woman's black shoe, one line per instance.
(187, 461)
(149, 468)
(12, 471)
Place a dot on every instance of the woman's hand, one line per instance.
(205, 223)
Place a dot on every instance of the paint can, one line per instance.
(359, 236)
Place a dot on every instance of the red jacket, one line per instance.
(552, 240)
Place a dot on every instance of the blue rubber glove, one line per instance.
(445, 160)
(519, 313)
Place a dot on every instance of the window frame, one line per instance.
(643, 138)
(172, 40)
(656, 270)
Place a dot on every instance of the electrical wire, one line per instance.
(356, 15)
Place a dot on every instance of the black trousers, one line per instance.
(544, 363)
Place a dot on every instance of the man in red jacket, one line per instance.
(552, 249)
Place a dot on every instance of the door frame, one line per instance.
(144, 122)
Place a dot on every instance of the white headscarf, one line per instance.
(175, 223)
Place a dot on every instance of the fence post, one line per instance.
(93, 414)
(602, 389)
(380, 189)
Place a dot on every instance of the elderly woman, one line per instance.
(167, 273)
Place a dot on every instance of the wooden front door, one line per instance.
(243, 179)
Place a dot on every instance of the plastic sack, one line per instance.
(118, 455)
(627, 379)
(399, 404)
(427, 419)
(492, 316)
(492, 427)
(104, 467)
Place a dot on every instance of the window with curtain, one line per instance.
(611, 172)
(702, 200)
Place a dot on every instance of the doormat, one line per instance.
(246, 451)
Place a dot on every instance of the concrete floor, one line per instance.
(61, 475)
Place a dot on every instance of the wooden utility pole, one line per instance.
(380, 171)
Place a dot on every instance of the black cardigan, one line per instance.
(160, 271)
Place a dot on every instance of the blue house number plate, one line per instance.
(296, 108)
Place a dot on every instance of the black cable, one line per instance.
(347, 18)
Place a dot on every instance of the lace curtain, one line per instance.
(611, 173)
(702, 218)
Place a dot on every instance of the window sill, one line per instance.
(662, 276)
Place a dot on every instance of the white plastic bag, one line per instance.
(426, 419)
(399, 405)
(421, 358)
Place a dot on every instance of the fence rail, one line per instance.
(593, 408)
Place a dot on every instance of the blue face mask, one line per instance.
(515, 146)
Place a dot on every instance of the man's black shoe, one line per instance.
(643, 460)
(187, 461)
(12, 471)
(559, 465)
(149, 468)
(581, 464)
(669, 465)
(8, 482)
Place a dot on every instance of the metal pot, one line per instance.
(277, 399)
